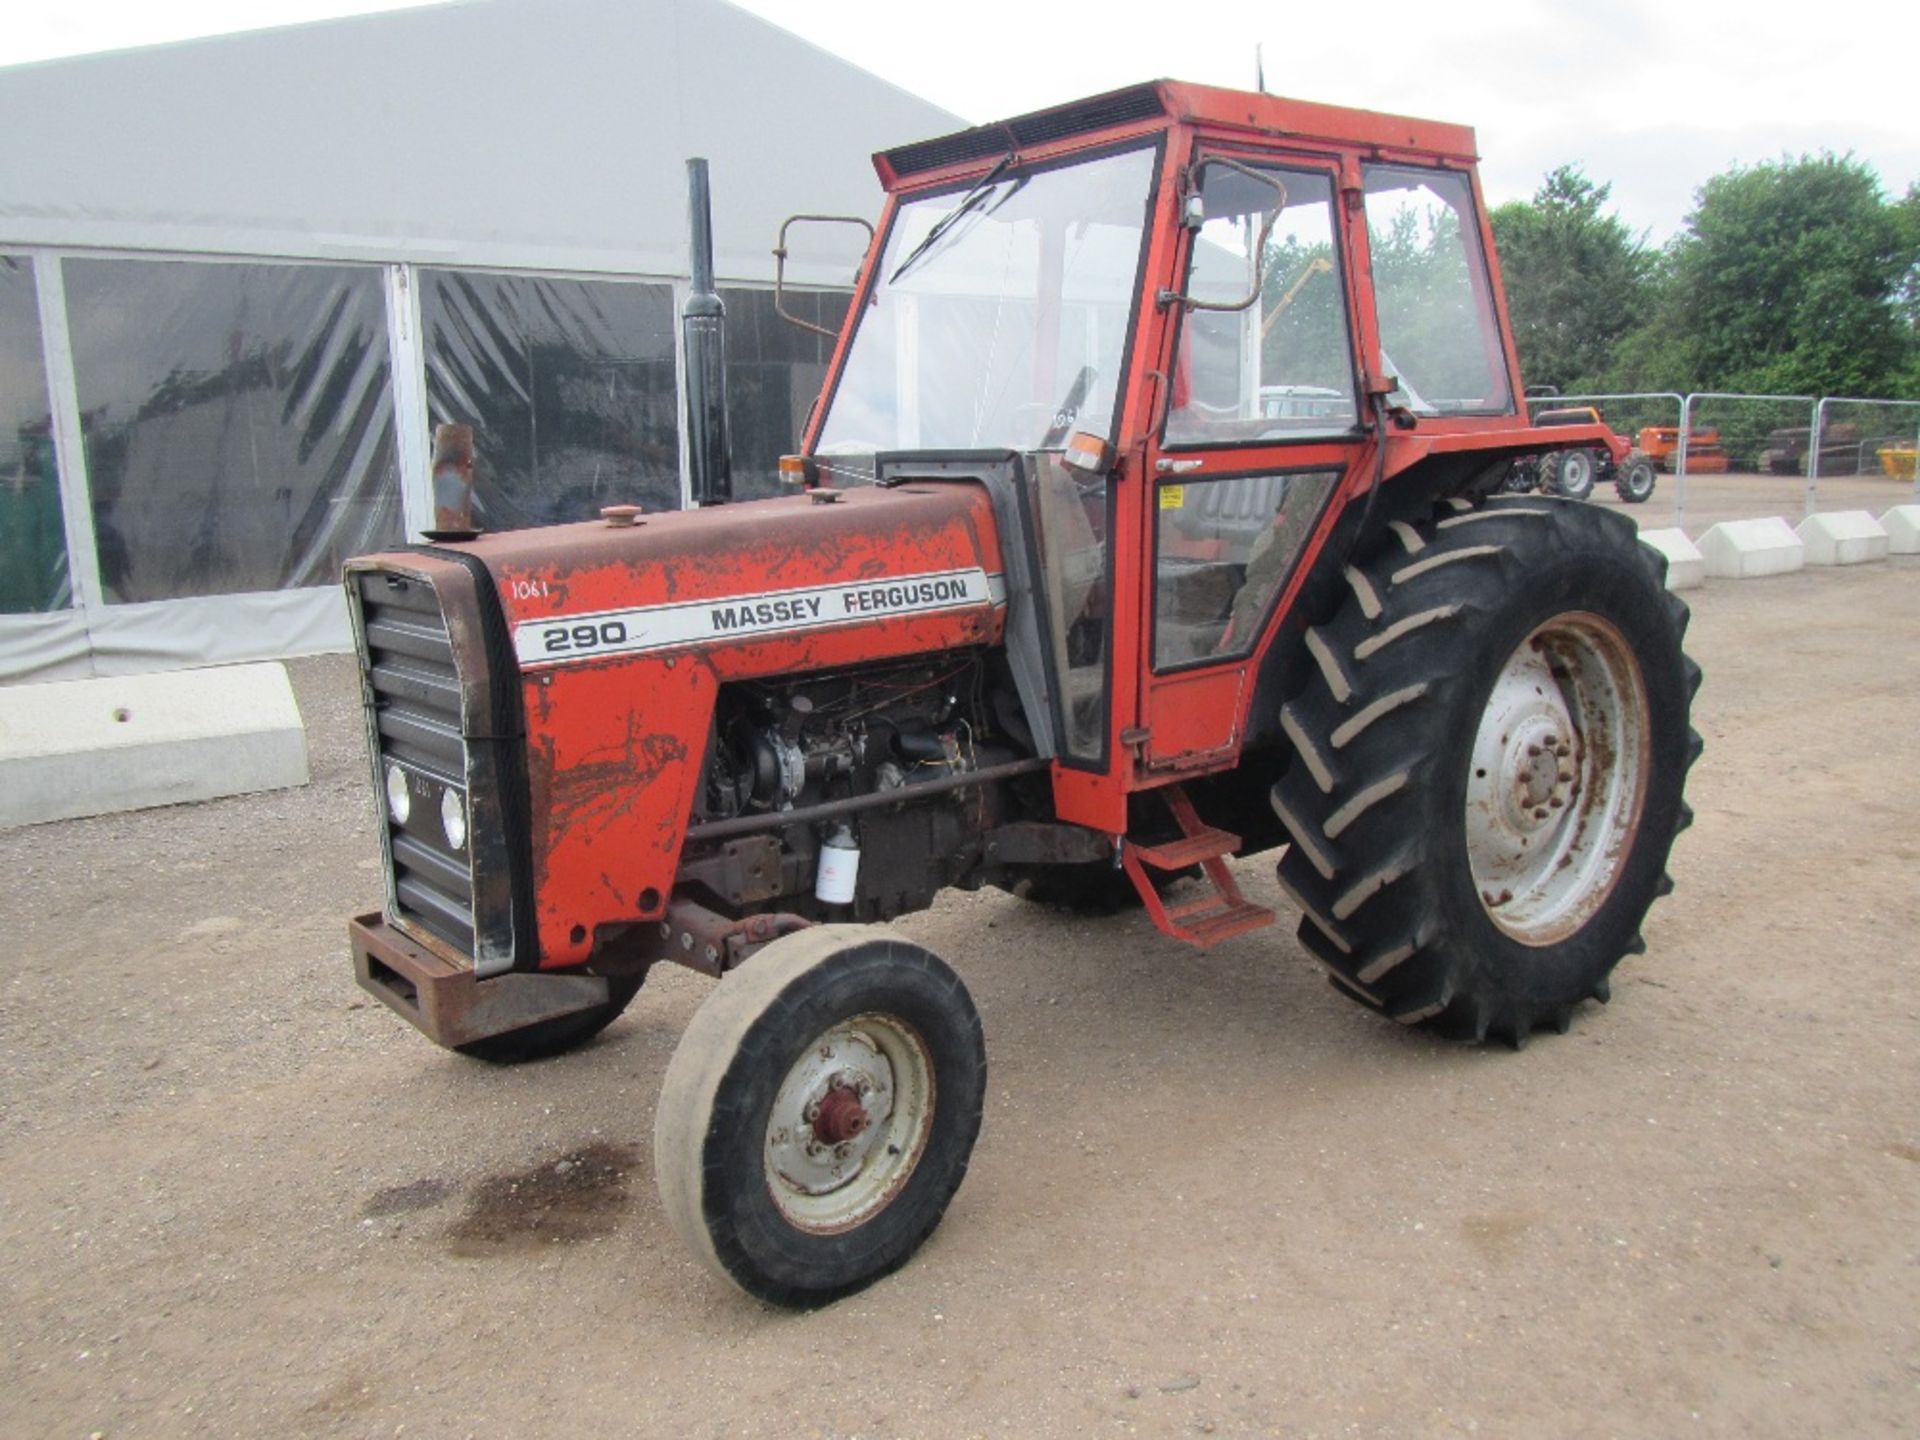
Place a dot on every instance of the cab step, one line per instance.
(1218, 915)
(1217, 918)
(1208, 844)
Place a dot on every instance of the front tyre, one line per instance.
(820, 1112)
(1488, 763)
(547, 1038)
(1634, 480)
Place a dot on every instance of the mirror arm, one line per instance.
(1169, 297)
(780, 266)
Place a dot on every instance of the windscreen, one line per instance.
(999, 315)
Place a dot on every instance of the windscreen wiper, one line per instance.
(946, 222)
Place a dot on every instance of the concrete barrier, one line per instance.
(1745, 549)
(1686, 566)
(1902, 524)
(93, 747)
(1842, 537)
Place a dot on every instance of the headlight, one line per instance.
(453, 819)
(399, 798)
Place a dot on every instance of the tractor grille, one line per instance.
(419, 751)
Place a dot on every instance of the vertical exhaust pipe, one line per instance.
(709, 456)
(453, 479)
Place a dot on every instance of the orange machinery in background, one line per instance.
(1661, 443)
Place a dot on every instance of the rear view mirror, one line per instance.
(1194, 216)
(780, 265)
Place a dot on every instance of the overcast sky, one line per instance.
(1654, 97)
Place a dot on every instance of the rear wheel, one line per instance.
(1095, 888)
(820, 1112)
(1634, 481)
(1569, 473)
(555, 1037)
(1489, 760)
(1091, 889)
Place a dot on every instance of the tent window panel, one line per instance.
(33, 541)
(238, 423)
(568, 384)
(774, 373)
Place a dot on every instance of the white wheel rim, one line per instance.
(1576, 469)
(1557, 779)
(849, 1123)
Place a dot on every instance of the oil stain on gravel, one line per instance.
(407, 1198)
(578, 1196)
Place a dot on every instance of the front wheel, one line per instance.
(1635, 479)
(820, 1112)
(547, 1038)
(1488, 766)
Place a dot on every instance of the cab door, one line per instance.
(1260, 425)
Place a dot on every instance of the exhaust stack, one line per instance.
(709, 455)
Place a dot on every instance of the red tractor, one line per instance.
(1147, 518)
(1574, 471)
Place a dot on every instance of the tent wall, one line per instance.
(523, 134)
(240, 280)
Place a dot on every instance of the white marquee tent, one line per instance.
(241, 278)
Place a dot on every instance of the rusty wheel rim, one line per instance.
(1558, 778)
(849, 1123)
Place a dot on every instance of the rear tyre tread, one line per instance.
(1369, 763)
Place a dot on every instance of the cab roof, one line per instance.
(1160, 104)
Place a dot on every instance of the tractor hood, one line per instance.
(739, 577)
(622, 635)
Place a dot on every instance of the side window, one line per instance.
(1438, 334)
(1283, 367)
(1224, 548)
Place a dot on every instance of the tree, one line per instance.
(1907, 301)
(1577, 279)
(1787, 280)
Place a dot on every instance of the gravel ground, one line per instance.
(1211, 1196)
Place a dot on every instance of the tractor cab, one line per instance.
(1181, 326)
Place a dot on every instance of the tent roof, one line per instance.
(546, 134)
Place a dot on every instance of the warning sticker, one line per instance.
(661, 627)
(1172, 497)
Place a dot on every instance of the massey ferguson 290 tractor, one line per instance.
(1147, 518)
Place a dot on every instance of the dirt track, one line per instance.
(1211, 1197)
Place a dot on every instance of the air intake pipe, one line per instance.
(703, 325)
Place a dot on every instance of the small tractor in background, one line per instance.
(1573, 472)
(1093, 579)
